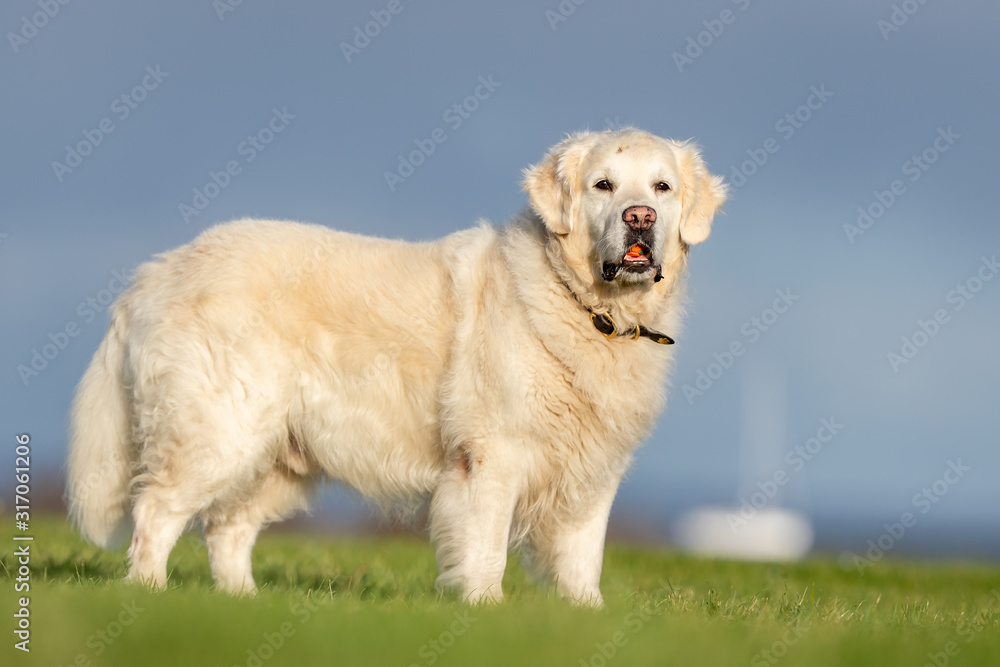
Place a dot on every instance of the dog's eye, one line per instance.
(662, 186)
(603, 184)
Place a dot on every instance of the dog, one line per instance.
(499, 378)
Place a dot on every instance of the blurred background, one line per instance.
(839, 359)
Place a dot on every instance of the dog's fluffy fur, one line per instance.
(241, 368)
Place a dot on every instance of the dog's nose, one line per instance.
(639, 218)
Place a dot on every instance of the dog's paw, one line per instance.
(484, 595)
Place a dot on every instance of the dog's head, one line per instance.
(619, 203)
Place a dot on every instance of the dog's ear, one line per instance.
(553, 185)
(702, 195)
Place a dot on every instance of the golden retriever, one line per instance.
(504, 375)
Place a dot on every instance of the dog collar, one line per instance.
(603, 323)
(607, 327)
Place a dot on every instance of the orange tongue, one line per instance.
(635, 251)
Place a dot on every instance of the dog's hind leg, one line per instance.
(159, 521)
(230, 539)
(230, 535)
(189, 463)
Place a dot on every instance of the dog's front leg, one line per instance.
(572, 552)
(471, 513)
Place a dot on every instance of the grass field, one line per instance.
(333, 601)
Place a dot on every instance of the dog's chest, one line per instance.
(601, 408)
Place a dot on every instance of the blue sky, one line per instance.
(813, 109)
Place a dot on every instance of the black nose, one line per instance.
(639, 218)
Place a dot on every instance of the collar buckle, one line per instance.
(604, 324)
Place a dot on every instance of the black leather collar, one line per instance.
(607, 327)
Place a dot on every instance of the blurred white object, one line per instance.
(757, 527)
(772, 534)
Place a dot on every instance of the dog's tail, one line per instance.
(100, 447)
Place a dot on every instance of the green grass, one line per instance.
(334, 601)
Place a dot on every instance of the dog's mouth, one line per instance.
(638, 259)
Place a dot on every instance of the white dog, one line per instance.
(504, 374)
